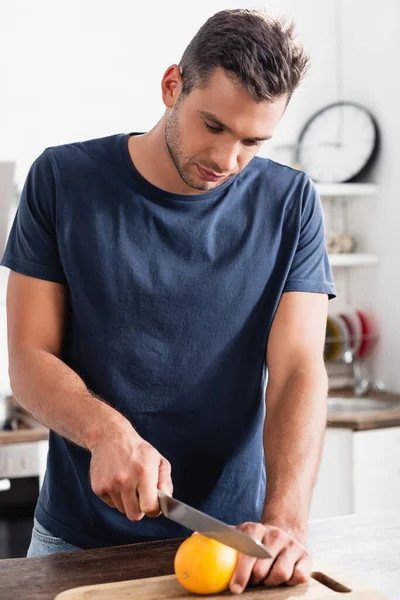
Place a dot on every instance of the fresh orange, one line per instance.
(203, 565)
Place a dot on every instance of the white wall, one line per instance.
(371, 76)
(87, 68)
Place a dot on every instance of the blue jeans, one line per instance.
(43, 542)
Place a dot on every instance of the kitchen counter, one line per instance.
(366, 545)
(21, 436)
(361, 421)
(28, 429)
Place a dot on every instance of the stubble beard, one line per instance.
(173, 142)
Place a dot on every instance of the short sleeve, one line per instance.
(32, 244)
(310, 270)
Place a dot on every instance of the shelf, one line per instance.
(353, 260)
(346, 189)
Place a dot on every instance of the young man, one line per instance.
(155, 278)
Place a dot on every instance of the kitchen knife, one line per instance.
(213, 528)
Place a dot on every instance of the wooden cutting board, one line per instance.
(326, 583)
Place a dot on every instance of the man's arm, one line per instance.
(296, 404)
(293, 433)
(41, 382)
(125, 470)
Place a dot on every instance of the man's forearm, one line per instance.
(58, 398)
(293, 435)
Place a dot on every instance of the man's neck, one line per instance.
(149, 154)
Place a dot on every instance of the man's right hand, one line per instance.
(125, 472)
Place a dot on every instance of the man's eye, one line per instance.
(251, 143)
(248, 143)
(213, 129)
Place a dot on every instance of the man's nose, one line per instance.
(226, 157)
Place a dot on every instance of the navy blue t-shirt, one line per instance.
(171, 300)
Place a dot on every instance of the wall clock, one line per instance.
(338, 143)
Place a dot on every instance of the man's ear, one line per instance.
(171, 85)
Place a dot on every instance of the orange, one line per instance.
(203, 565)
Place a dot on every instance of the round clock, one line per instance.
(338, 143)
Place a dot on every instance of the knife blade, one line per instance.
(194, 519)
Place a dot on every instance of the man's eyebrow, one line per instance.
(211, 117)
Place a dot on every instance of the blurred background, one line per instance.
(87, 69)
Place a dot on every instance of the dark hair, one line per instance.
(256, 50)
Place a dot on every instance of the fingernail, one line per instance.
(236, 589)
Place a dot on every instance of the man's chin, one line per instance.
(205, 186)
(201, 185)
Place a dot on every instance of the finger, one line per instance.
(241, 574)
(130, 501)
(107, 500)
(245, 564)
(124, 493)
(275, 540)
(282, 569)
(301, 571)
(147, 489)
(164, 477)
(114, 500)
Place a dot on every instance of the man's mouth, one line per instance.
(208, 175)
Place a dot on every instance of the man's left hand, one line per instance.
(290, 562)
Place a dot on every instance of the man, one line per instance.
(154, 278)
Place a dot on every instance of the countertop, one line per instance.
(366, 545)
(363, 420)
(29, 430)
(22, 436)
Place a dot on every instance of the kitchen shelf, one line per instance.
(346, 189)
(353, 260)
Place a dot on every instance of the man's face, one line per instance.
(214, 132)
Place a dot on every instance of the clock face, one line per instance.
(337, 143)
